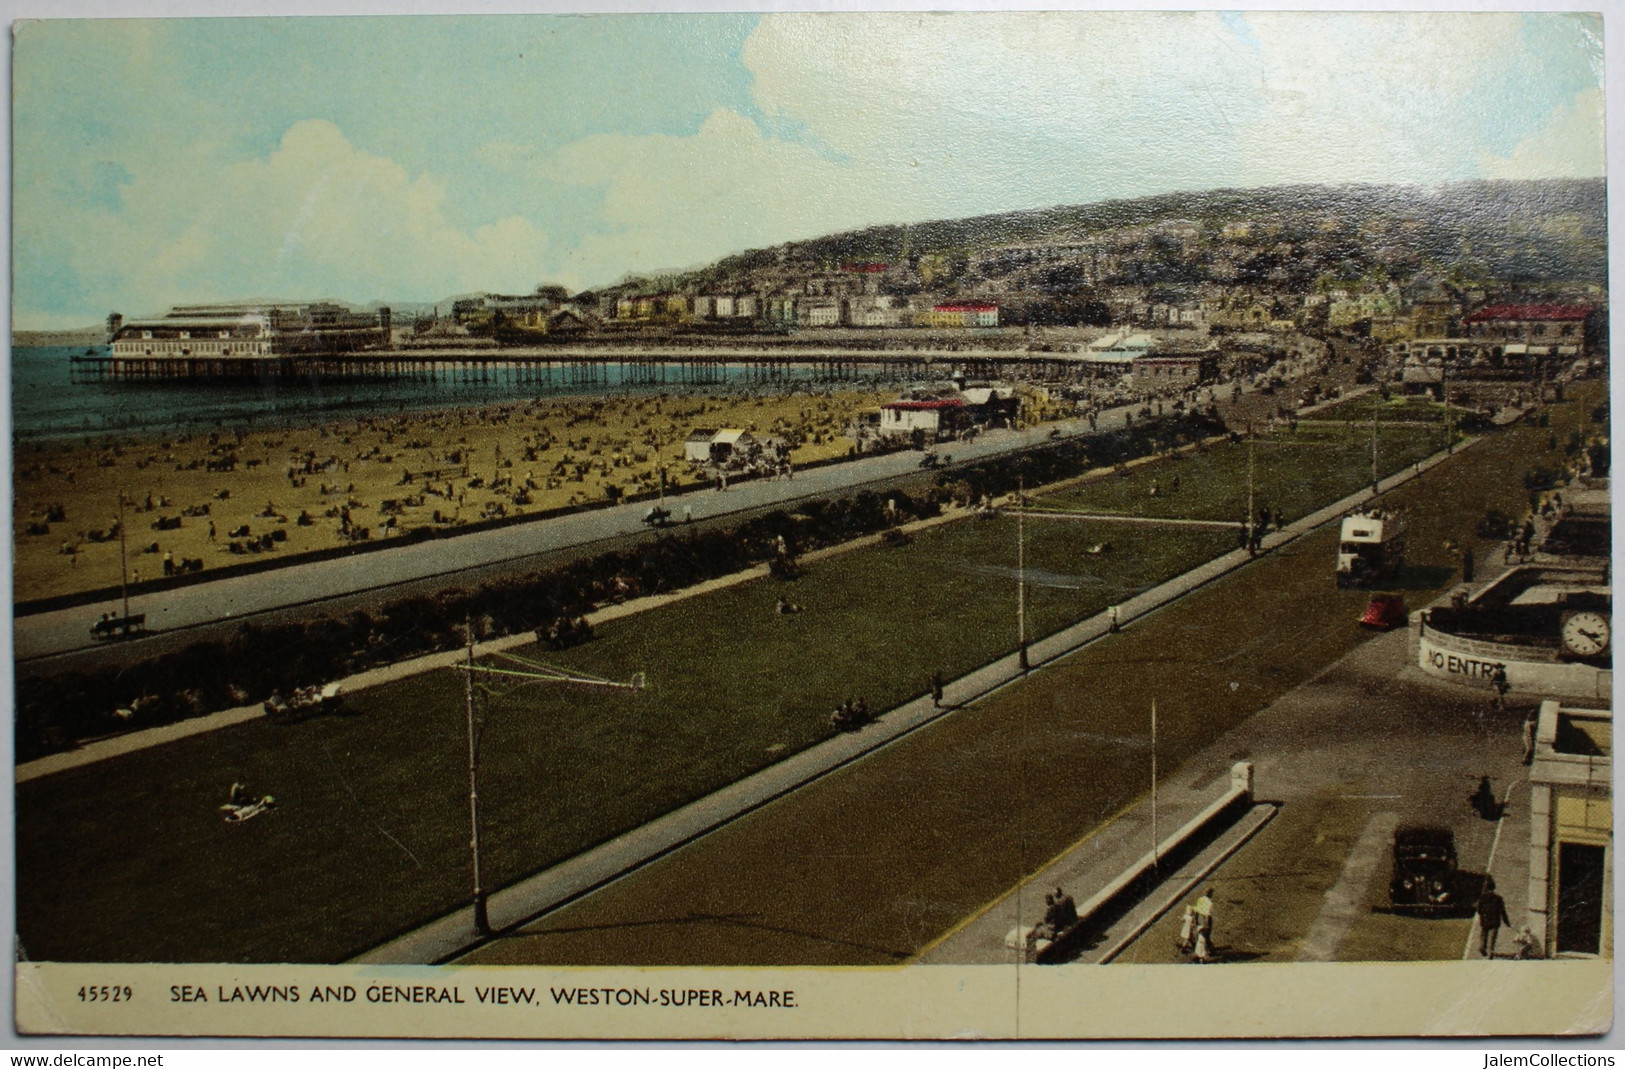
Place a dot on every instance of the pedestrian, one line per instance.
(1483, 800)
(1492, 917)
(211, 530)
(169, 563)
(1112, 618)
(1066, 911)
(1467, 565)
(1187, 931)
(1498, 680)
(936, 690)
(1528, 944)
(1202, 950)
(1529, 725)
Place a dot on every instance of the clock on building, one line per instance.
(1586, 634)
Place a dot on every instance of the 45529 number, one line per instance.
(106, 993)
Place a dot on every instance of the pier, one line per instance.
(578, 368)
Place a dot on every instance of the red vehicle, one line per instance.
(1384, 613)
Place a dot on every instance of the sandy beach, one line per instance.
(228, 496)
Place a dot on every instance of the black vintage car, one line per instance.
(1424, 877)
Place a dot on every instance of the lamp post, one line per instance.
(482, 921)
(1156, 862)
(1021, 573)
(123, 562)
(1376, 410)
(530, 672)
(1254, 539)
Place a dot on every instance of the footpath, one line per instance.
(450, 936)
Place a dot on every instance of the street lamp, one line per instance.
(531, 672)
(1021, 572)
(482, 921)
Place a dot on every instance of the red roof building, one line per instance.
(1532, 324)
(1517, 313)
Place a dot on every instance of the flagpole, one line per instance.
(482, 923)
(1155, 862)
(1021, 572)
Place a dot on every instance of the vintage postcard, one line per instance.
(847, 525)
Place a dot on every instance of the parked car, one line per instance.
(1384, 613)
(1424, 878)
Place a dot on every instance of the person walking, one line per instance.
(1187, 931)
(1498, 680)
(1202, 949)
(936, 690)
(1112, 620)
(1492, 917)
(1467, 565)
(1530, 723)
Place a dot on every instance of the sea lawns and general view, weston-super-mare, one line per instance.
(1174, 558)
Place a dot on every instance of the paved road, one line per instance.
(48, 634)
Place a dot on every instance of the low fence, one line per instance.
(1112, 902)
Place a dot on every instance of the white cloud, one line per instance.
(680, 201)
(871, 118)
(909, 116)
(315, 217)
(1569, 145)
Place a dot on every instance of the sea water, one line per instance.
(47, 404)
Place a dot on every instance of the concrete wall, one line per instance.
(1529, 669)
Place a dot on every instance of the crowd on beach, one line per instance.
(204, 500)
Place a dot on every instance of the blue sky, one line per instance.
(408, 159)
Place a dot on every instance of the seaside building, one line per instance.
(1174, 371)
(250, 331)
(1571, 831)
(932, 418)
(1545, 625)
(1545, 329)
(974, 314)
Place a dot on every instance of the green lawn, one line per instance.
(127, 859)
(1294, 472)
(1395, 409)
(378, 800)
(876, 861)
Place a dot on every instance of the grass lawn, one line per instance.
(872, 863)
(127, 859)
(1395, 409)
(731, 687)
(1294, 472)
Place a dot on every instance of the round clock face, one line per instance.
(1586, 634)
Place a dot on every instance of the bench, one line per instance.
(118, 626)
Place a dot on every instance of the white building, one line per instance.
(903, 418)
(697, 448)
(1571, 832)
(229, 336)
